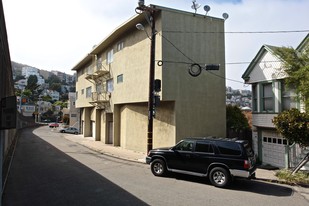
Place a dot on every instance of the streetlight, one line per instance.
(151, 10)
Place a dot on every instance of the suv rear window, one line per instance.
(204, 147)
(229, 148)
(249, 150)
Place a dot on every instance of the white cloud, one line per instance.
(56, 34)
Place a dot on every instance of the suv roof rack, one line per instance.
(219, 138)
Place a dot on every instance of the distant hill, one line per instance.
(17, 67)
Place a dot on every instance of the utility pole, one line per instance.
(151, 82)
(141, 7)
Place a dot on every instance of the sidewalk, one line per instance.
(107, 149)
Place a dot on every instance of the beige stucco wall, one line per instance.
(102, 126)
(133, 63)
(200, 101)
(134, 122)
(81, 84)
(85, 117)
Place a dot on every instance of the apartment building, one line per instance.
(28, 71)
(112, 82)
(74, 113)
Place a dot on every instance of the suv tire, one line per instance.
(219, 177)
(158, 167)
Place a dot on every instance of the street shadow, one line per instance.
(43, 175)
(260, 187)
(253, 186)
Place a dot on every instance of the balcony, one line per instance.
(100, 100)
(97, 71)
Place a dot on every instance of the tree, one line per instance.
(61, 104)
(53, 79)
(32, 82)
(296, 66)
(55, 86)
(235, 119)
(236, 123)
(46, 98)
(27, 93)
(18, 77)
(294, 126)
(18, 92)
(64, 97)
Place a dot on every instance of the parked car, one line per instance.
(218, 159)
(53, 125)
(71, 130)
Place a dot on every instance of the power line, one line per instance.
(228, 63)
(240, 32)
(192, 61)
(160, 62)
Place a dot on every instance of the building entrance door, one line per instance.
(110, 133)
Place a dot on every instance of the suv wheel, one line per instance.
(219, 177)
(158, 167)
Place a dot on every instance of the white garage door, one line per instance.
(273, 149)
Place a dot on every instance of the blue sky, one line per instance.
(57, 34)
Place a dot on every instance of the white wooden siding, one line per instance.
(263, 120)
(267, 69)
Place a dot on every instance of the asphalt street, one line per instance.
(48, 169)
(43, 175)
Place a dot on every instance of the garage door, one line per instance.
(273, 149)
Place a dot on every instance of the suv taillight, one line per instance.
(247, 164)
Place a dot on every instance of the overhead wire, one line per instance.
(240, 32)
(245, 32)
(192, 61)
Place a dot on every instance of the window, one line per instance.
(90, 70)
(120, 78)
(82, 91)
(73, 115)
(229, 148)
(203, 147)
(184, 146)
(110, 56)
(268, 100)
(288, 97)
(99, 88)
(120, 46)
(254, 97)
(110, 85)
(88, 92)
(99, 63)
(76, 95)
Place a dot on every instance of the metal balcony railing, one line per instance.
(100, 97)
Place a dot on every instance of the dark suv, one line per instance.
(218, 159)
